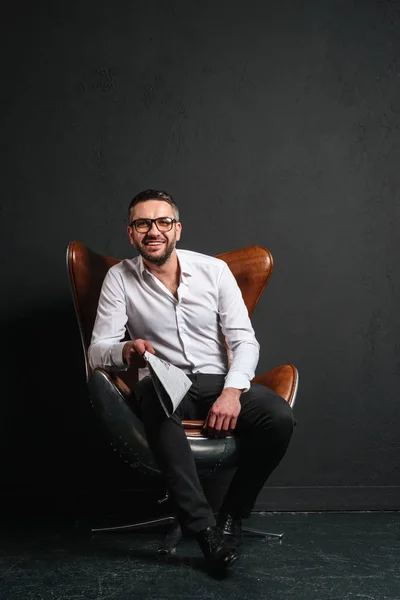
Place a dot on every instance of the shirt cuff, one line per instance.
(116, 356)
(238, 381)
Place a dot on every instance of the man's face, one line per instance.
(155, 246)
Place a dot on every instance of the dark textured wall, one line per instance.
(274, 123)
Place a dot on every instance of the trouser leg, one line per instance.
(264, 429)
(171, 449)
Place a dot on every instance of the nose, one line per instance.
(153, 228)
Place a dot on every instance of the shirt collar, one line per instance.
(141, 265)
(186, 267)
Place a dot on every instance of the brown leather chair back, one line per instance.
(251, 267)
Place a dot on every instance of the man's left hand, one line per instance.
(222, 416)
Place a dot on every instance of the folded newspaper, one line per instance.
(170, 383)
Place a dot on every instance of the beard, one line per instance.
(156, 260)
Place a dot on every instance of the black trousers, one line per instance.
(265, 426)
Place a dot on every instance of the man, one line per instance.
(183, 306)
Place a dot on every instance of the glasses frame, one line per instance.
(151, 221)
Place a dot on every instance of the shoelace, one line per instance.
(228, 522)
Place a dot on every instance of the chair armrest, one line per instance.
(120, 384)
(193, 428)
(283, 380)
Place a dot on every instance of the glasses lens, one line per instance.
(164, 224)
(142, 225)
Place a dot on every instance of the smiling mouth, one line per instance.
(154, 243)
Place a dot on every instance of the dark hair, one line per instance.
(153, 195)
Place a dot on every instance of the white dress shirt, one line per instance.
(188, 332)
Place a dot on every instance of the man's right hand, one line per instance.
(139, 347)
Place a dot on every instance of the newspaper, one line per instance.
(170, 383)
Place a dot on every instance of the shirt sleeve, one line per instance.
(106, 347)
(238, 331)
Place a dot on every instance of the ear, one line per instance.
(130, 234)
(178, 231)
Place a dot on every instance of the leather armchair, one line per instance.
(110, 393)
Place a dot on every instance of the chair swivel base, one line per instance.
(260, 533)
(133, 526)
(174, 534)
(170, 541)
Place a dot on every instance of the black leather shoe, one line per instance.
(217, 553)
(231, 528)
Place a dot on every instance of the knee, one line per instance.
(278, 420)
(282, 421)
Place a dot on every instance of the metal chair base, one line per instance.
(170, 541)
(263, 534)
(133, 526)
(174, 534)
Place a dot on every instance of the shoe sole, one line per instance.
(223, 565)
(232, 560)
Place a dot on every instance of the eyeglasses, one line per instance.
(144, 225)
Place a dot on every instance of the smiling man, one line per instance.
(184, 306)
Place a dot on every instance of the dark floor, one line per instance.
(323, 556)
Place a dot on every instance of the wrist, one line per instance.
(126, 351)
(234, 392)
